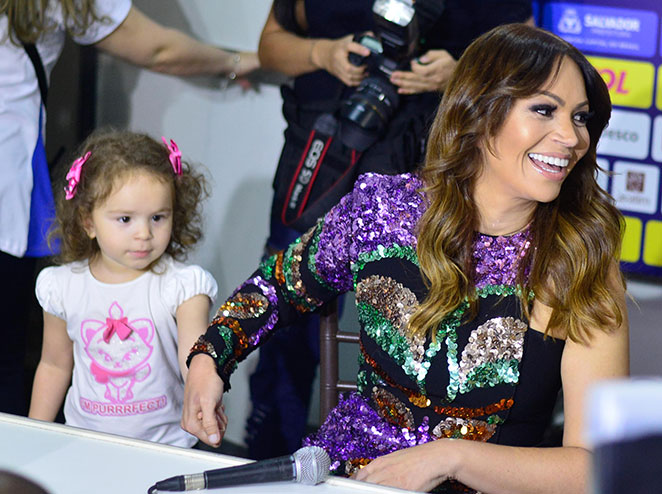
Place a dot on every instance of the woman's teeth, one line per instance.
(562, 162)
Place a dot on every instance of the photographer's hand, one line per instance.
(333, 56)
(429, 72)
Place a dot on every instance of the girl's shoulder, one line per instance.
(54, 282)
(63, 272)
(180, 281)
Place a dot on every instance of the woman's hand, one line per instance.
(333, 56)
(429, 72)
(419, 468)
(203, 414)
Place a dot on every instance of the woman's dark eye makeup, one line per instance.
(583, 117)
(543, 109)
(547, 110)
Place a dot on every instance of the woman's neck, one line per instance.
(498, 217)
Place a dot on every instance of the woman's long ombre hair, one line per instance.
(575, 238)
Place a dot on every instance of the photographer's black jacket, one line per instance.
(401, 147)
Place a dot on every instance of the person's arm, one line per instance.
(143, 42)
(283, 51)
(513, 470)
(192, 320)
(53, 373)
(208, 418)
(203, 414)
(312, 271)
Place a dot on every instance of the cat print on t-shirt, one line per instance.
(119, 350)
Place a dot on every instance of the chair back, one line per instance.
(330, 337)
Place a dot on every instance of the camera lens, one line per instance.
(367, 111)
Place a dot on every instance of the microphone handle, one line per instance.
(271, 470)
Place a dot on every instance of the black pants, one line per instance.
(17, 304)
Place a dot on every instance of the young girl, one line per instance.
(121, 312)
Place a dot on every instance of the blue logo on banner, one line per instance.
(604, 29)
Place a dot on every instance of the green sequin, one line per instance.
(495, 419)
(294, 290)
(491, 374)
(487, 375)
(226, 334)
(361, 381)
(381, 330)
(503, 290)
(395, 251)
(267, 267)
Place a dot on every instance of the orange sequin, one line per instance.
(422, 401)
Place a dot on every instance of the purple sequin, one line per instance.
(497, 258)
(354, 430)
(384, 211)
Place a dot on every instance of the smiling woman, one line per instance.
(484, 284)
(540, 142)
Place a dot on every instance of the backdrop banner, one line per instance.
(622, 38)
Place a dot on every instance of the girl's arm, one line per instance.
(53, 374)
(143, 42)
(496, 469)
(293, 55)
(192, 320)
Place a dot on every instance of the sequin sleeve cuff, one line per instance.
(202, 345)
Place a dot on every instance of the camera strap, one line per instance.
(39, 70)
(310, 163)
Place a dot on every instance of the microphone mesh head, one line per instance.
(312, 465)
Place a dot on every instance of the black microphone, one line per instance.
(309, 465)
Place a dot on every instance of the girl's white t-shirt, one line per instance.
(126, 378)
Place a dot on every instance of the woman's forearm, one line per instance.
(488, 468)
(495, 469)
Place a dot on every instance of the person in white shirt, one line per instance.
(122, 311)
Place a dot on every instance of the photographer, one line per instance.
(311, 41)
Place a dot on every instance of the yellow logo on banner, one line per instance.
(630, 83)
(631, 246)
(652, 243)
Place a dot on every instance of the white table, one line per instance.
(67, 460)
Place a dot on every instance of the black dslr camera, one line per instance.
(366, 112)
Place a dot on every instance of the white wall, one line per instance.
(236, 134)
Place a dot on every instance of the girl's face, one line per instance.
(542, 139)
(132, 227)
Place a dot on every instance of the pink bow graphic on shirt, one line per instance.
(175, 156)
(117, 326)
(73, 176)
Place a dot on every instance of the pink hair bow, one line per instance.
(175, 156)
(119, 326)
(73, 176)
